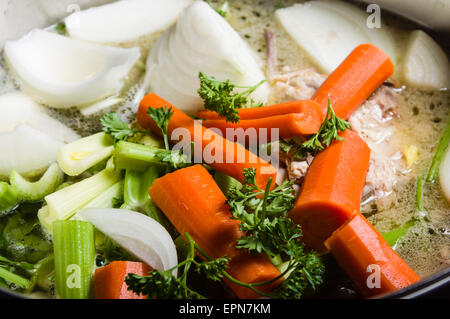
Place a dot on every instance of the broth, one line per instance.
(422, 118)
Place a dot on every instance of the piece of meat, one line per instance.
(297, 170)
(297, 85)
(372, 121)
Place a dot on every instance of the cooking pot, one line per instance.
(20, 16)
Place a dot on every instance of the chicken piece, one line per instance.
(372, 121)
(297, 85)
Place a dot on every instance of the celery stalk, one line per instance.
(9, 198)
(140, 157)
(77, 157)
(74, 250)
(136, 195)
(104, 200)
(393, 236)
(135, 156)
(226, 183)
(65, 202)
(36, 191)
(15, 279)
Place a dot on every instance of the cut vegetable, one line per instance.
(136, 197)
(425, 64)
(354, 80)
(17, 108)
(123, 21)
(367, 258)
(226, 183)
(74, 250)
(230, 158)
(76, 157)
(137, 233)
(36, 191)
(193, 202)
(331, 192)
(328, 32)
(201, 40)
(9, 198)
(444, 175)
(62, 72)
(65, 202)
(29, 151)
(109, 281)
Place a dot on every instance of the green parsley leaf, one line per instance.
(116, 127)
(218, 96)
(162, 116)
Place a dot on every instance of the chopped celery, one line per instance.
(394, 235)
(74, 250)
(9, 198)
(136, 195)
(139, 157)
(77, 157)
(226, 183)
(152, 141)
(13, 278)
(65, 202)
(440, 152)
(105, 199)
(36, 191)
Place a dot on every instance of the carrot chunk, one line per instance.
(302, 107)
(228, 157)
(332, 189)
(368, 259)
(355, 79)
(192, 201)
(109, 281)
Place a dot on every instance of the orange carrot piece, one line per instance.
(368, 259)
(309, 107)
(355, 79)
(109, 281)
(192, 201)
(288, 125)
(229, 158)
(331, 192)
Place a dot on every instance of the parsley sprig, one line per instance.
(328, 132)
(263, 219)
(113, 125)
(162, 116)
(220, 97)
(262, 216)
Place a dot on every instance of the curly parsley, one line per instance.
(218, 96)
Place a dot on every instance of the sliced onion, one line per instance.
(425, 64)
(329, 31)
(62, 72)
(27, 150)
(139, 234)
(202, 40)
(123, 21)
(444, 174)
(17, 108)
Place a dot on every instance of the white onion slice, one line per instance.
(27, 150)
(62, 72)
(17, 108)
(329, 31)
(425, 64)
(202, 40)
(139, 234)
(124, 21)
(444, 174)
